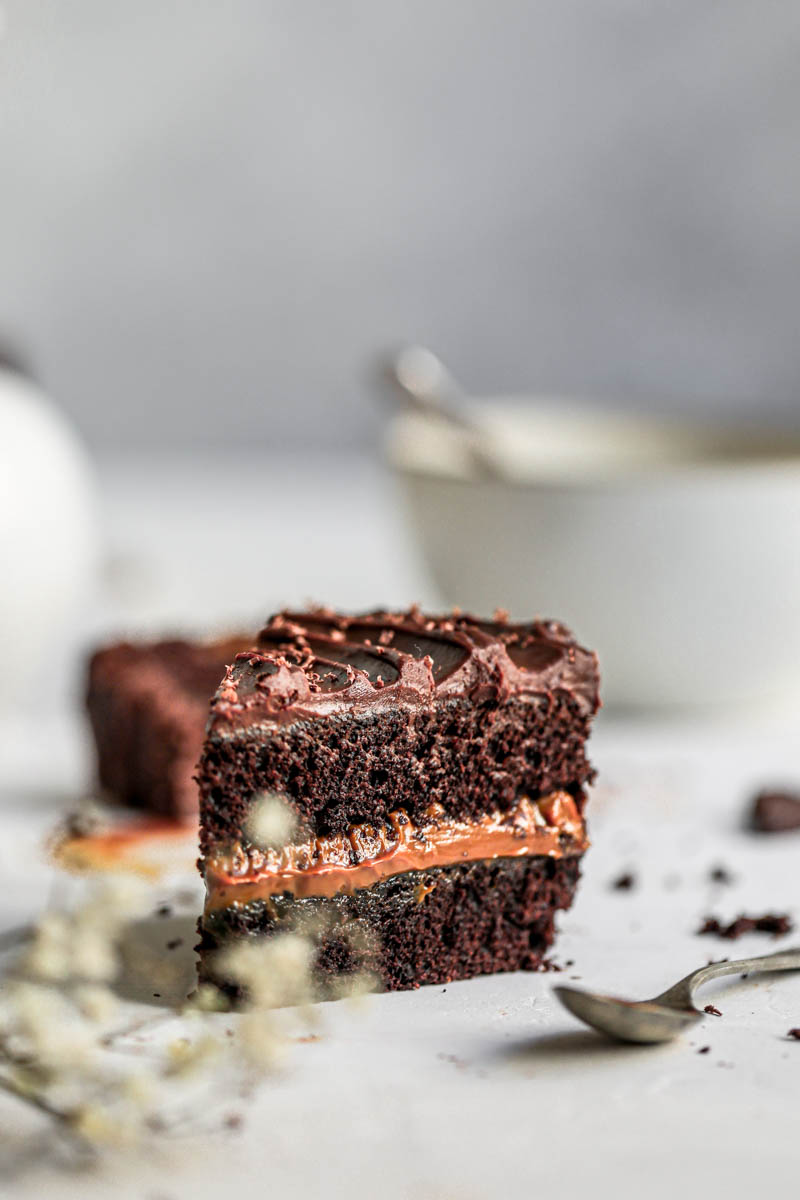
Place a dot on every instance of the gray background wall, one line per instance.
(214, 212)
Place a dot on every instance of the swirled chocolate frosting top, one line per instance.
(318, 663)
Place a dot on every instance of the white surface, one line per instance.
(487, 1088)
(671, 551)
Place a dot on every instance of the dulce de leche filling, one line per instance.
(326, 866)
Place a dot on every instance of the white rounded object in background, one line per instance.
(48, 544)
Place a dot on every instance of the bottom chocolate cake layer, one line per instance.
(431, 926)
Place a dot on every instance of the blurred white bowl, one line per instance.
(672, 551)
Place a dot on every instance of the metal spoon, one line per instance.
(425, 385)
(669, 1014)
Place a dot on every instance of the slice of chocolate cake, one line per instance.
(433, 770)
(148, 707)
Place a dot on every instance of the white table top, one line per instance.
(485, 1088)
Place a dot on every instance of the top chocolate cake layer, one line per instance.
(320, 663)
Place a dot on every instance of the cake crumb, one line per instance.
(624, 883)
(794, 1033)
(704, 1050)
(775, 811)
(721, 874)
(777, 924)
(712, 1011)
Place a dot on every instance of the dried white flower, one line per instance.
(273, 971)
(49, 954)
(97, 1003)
(59, 1048)
(141, 1089)
(270, 824)
(48, 1029)
(207, 998)
(354, 988)
(94, 956)
(95, 1125)
(185, 1055)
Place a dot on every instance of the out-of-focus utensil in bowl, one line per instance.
(671, 549)
(422, 383)
(667, 1015)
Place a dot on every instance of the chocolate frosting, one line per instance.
(319, 663)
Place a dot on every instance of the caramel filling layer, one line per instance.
(327, 866)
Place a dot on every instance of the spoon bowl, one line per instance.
(642, 1021)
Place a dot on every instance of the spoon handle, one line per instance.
(427, 386)
(681, 992)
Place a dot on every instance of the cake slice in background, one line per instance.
(148, 706)
(433, 773)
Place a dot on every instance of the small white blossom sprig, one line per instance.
(270, 823)
(66, 1052)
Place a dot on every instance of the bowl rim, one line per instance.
(770, 461)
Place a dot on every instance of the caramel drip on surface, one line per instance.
(327, 866)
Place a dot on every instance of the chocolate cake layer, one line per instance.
(434, 769)
(416, 928)
(148, 706)
(349, 718)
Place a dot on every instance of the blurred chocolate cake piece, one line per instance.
(148, 705)
(433, 772)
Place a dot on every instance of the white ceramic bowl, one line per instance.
(672, 551)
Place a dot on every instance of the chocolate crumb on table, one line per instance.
(777, 924)
(794, 1034)
(720, 874)
(704, 1050)
(775, 812)
(712, 1011)
(624, 883)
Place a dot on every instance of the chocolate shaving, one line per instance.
(712, 1011)
(794, 1033)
